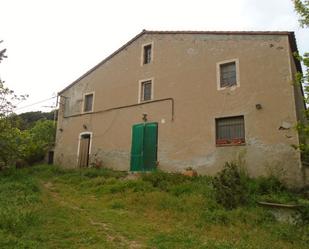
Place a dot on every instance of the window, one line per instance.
(147, 54)
(88, 102)
(230, 131)
(146, 90)
(227, 74)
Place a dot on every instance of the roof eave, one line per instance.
(103, 61)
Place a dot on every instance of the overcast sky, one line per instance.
(50, 43)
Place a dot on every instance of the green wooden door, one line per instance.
(137, 147)
(150, 146)
(144, 147)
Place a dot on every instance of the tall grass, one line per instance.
(165, 210)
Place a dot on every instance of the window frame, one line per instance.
(83, 104)
(140, 90)
(218, 69)
(143, 53)
(232, 141)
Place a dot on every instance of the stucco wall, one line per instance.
(184, 68)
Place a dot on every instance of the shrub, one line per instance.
(231, 186)
(267, 185)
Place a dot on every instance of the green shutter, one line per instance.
(144, 147)
(137, 147)
(150, 146)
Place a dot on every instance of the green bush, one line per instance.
(231, 186)
(267, 185)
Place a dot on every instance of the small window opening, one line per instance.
(228, 74)
(147, 54)
(146, 89)
(88, 102)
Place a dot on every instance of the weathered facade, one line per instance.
(212, 97)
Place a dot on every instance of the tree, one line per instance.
(302, 8)
(8, 98)
(10, 137)
(37, 141)
(27, 120)
(10, 143)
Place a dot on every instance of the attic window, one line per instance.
(88, 102)
(147, 49)
(227, 74)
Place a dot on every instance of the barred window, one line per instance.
(228, 74)
(146, 88)
(147, 54)
(230, 130)
(88, 102)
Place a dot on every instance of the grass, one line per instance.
(49, 207)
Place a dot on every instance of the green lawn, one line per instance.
(46, 207)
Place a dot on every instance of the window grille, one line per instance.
(230, 130)
(146, 90)
(228, 74)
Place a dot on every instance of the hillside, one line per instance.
(47, 207)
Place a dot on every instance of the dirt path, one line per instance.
(110, 234)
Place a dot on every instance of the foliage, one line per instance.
(302, 8)
(27, 120)
(8, 98)
(10, 143)
(231, 186)
(268, 185)
(29, 145)
(302, 216)
(39, 140)
(163, 180)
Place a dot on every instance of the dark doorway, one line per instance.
(50, 157)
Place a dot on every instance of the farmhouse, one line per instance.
(173, 100)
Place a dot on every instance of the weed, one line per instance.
(302, 216)
(177, 240)
(163, 180)
(15, 221)
(231, 189)
(217, 216)
(117, 205)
